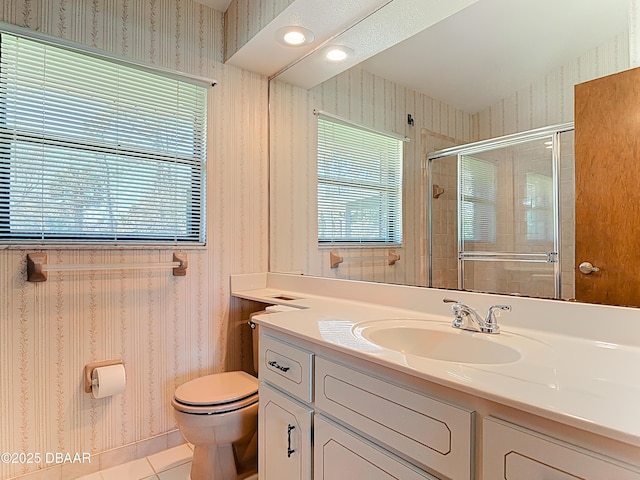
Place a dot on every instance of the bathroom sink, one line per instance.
(436, 341)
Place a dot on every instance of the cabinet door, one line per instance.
(340, 455)
(284, 437)
(511, 452)
(428, 432)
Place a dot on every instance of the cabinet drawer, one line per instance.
(512, 452)
(430, 433)
(340, 455)
(286, 366)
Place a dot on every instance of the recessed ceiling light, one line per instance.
(337, 53)
(294, 36)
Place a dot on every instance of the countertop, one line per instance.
(586, 381)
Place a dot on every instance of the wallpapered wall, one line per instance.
(549, 100)
(166, 329)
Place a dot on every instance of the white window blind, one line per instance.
(538, 205)
(478, 199)
(96, 151)
(359, 185)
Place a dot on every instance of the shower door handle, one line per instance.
(587, 268)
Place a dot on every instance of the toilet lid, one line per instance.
(217, 389)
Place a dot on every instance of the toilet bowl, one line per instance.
(216, 413)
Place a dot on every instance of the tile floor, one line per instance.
(171, 464)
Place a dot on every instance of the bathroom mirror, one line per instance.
(445, 79)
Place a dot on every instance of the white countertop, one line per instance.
(589, 380)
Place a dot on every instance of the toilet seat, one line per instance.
(217, 393)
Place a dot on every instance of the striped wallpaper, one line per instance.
(166, 329)
(549, 100)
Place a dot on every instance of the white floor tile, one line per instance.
(92, 476)
(170, 458)
(136, 470)
(177, 473)
(171, 464)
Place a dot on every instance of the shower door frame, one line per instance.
(553, 132)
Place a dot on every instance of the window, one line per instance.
(359, 185)
(538, 205)
(478, 199)
(92, 150)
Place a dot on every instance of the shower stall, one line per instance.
(500, 214)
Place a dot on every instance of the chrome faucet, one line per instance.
(467, 318)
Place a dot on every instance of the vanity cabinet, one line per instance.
(364, 425)
(327, 415)
(512, 452)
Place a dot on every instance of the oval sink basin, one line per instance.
(419, 338)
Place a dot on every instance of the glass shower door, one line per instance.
(508, 219)
(494, 214)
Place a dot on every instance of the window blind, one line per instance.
(538, 206)
(478, 199)
(96, 151)
(359, 185)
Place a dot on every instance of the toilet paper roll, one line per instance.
(109, 380)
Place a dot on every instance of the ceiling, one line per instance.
(265, 54)
(490, 49)
(391, 23)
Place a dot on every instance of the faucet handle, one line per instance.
(491, 321)
(456, 308)
(449, 300)
(506, 308)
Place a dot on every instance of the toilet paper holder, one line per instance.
(90, 367)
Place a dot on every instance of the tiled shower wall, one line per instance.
(166, 329)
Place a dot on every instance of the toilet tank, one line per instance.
(255, 329)
(255, 333)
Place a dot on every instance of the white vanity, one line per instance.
(335, 404)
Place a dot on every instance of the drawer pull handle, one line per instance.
(289, 449)
(274, 364)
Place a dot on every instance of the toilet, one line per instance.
(218, 415)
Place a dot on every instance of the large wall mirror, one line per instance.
(495, 68)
